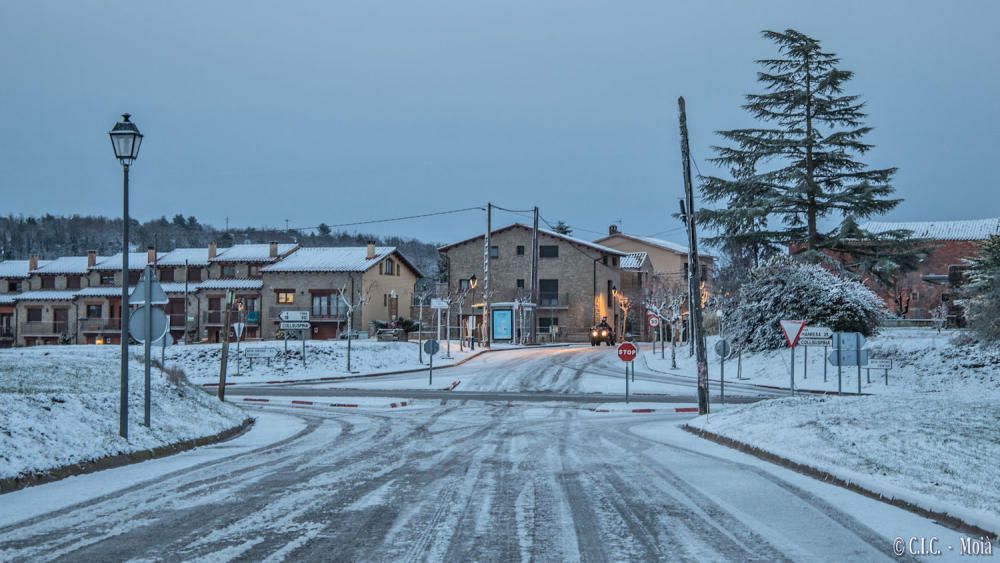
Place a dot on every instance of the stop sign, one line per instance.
(626, 352)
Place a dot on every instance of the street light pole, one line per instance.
(125, 140)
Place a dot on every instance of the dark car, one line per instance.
(599, 334)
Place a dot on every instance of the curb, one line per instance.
(676, 409)
(12, 484)
(827, 477)
(298, 402)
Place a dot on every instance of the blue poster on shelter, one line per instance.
(503, 324)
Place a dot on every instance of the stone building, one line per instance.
(575, 280)
(313, 279)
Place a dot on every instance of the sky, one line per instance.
(337, 112)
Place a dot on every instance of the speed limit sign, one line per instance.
(654, 321)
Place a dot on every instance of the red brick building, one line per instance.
(951, 244)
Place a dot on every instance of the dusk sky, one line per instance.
(348, 111)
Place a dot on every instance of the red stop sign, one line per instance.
(626, 352)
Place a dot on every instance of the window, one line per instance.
(48, 282)
(388, 267)
(253, 271)
(463, 285)
(194, 275)
(107, 278)
(285, 296)
(94, 311)
(34, 314)
(614, 261)
(72, 282)
(548, 292)
(323, 305)
(13, 286)
(166, 274)
(385, 299)
(494, 252)
(546, 323)
(604, 260)
(548, 251)
(520, 284)
(520, 250)
(229, 271)
(133, 276)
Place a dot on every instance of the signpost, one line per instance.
(627, 353)
(848, 350)
(884, 364)
(722, 348)
(148, 322)
(293, 325)
(431, 347)
(294, 316)
(260, 353)
(792, 330)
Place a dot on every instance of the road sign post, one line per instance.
(431, 347)
(792, 330)
(722, 348)
(627, 353)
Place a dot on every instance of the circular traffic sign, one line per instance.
(722, 348)
(627, 352)
(431, 347)
(137, 323)
(654, 321)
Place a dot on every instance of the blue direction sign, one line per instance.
(844, 357)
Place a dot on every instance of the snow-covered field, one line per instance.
(59, 406)
(933, 439)
(324, 358)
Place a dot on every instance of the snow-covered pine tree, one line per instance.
(982, 291)
(788, 176)
(562, 228)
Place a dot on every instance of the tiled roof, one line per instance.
(973, 229)
(65, 265)
(633, 261)
(177, 256)
(16, 268)
(231, 284)
(593, 245)
(251, 252)
(330, 259)
(46, 295)
(136, 261)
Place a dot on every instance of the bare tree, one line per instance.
(360, 298)
(422, 296)
(665, 299)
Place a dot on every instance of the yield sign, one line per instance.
(793, 329)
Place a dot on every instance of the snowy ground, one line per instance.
(932, 439)
(59, 406)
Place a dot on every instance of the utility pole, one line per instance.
(225, 346)
(488, 337)
(694, 271)
(186, 327)
(534, 279)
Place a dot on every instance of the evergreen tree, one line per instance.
(562, 228)
(982, 291)
(801, 167)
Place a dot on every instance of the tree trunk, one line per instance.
(810, 184)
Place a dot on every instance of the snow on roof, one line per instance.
(330, 259)
(46, 295)
(16, 268)
(973, 229)
(634, 260)
(230, 284)
(99, 291)
(252, 252)
(177, 256)
(567, 238)
(178, 287)
(659, 243)
(64, 265)
(136, 261)
(7, 299)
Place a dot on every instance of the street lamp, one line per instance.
(125, 140)
(473, 282)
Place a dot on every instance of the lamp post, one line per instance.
(125, 140)
(473, 282)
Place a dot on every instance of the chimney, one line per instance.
(212, 249)
(32, 263)
(272, 251)
(150, 255)
(613, 229)
(91, 258)
(371, 250)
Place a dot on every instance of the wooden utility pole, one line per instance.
(694, 270)
(225, 346)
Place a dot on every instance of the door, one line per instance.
(61, 320)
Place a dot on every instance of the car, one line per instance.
(354, 334)
(599, 334)
(390, 335)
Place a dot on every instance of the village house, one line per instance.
(576, 279)
(668, 259)
(13, 279)
(312, 280)
(932, 288)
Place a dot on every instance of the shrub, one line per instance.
(785, 289)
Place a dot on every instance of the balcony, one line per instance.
(100, 325)
(44, 328)
(553, 300)
(7, 332)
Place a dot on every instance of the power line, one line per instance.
(392, 219)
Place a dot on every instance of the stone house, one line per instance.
(575, 280)
(667, 258)
(312, 280)
(14, 276)
(637, 271)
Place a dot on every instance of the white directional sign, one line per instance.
(792, 329)
(260, 352)
(294, 316)
(294, 325)
(816, 332)
(879, 363)
(439, 304)
(804, 341)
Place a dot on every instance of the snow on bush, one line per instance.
(786, 289)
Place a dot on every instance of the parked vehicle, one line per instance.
(355, 335)
(390, 335)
